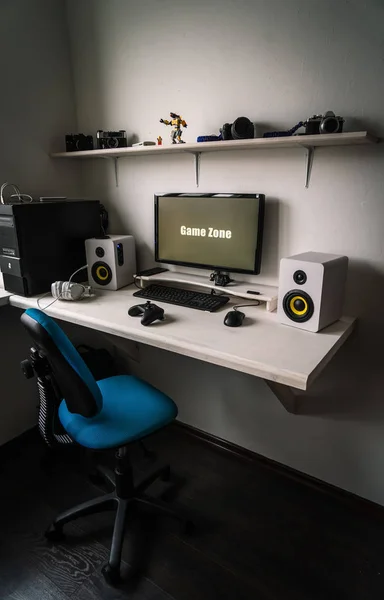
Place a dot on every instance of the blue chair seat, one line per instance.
(132, 409)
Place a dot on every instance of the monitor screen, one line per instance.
(219, 231)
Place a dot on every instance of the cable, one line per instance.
(4, 186)
(17, 193)
(48, 305)
(58, 298)
(73, 274)
(242, 305)
(22, 196)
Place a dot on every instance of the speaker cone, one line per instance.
(101, 273)
(298, 306)
(299, 277)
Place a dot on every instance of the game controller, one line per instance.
(149, 312)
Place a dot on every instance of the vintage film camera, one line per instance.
(327, 123)
(78, 141)
(111, 139)
(241, 129)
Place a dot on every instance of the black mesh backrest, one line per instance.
(76, 383)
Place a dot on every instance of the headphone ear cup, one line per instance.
(65, 291)
(76, 291)
(56, 289)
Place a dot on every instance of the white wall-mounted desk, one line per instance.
(283, 356)
(4, 297)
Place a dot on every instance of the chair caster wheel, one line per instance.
(55, 534)
(166, 474)
(188, 528)
(111, 575)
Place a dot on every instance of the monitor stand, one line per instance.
(265, 293)
(220, 278)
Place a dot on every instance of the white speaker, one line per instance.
(111, 261)
(311, 290)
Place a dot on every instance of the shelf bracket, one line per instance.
(197, 156)
(116, 164)
(309, 152)
(116, 167)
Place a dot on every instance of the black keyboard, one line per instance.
(188, 298)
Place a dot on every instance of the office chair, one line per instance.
(100, 415)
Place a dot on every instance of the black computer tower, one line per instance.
(43, 242)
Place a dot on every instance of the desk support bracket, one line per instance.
(309, 153)
(285, 394)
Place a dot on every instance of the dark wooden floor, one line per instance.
(259, 536)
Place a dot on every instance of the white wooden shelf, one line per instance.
(332, 139)
(308, 142)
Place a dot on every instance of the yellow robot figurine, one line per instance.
(177, 123)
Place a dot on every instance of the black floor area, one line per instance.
(259, 535)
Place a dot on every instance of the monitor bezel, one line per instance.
(260, 229)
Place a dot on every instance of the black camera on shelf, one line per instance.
(327, 123)
(241, 129)
(111, 139)
(78, 141)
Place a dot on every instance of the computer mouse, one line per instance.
(234, 318)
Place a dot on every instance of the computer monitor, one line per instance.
(210, 231)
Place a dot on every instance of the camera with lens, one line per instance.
(241, 129)
(78, 141)
(327, 123)
(111, 139)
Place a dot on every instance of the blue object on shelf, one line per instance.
(288, 133)
(209, 138)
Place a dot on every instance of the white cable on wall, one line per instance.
(21, 197)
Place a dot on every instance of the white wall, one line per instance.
(36, 110)
(276, 61)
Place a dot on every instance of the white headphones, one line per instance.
(66, 290)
